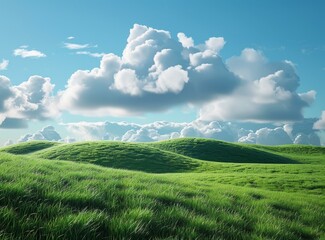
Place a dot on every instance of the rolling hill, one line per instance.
(177, 189)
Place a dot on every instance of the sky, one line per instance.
(243, 71)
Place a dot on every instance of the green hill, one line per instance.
(205, 189)
(214, 150)
(121, 155)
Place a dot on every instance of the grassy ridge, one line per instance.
(67, 200)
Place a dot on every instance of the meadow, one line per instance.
(186, 188)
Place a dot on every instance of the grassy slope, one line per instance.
(67, 200)
(214, 150)
(28, 147)
(121, 155)
(205, 199)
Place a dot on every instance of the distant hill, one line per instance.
(178, 155)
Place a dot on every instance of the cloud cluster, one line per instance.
(267, 93)
(31, 99)
(4, 64)
(267, 136)
(157, 72)
(297, 133)
(23, 52)
(154, 73)
(47, 133)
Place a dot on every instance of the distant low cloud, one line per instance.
(267, 136)
(47, 133)
(154, 73)
(4, 64)
(298, 133)
(267, 93)
(23, 52)
(71, 37)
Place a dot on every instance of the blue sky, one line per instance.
(275, 30)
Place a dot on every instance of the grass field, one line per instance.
(178, 189)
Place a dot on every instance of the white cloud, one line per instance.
(267, 136)
(153, 74)
(91, 54)
(23, 52)
(320, 124)
(4, 64)
(215, 44)
(32, 99)
(155, 131)
(172, 79)
(47, 133)
(71, 37)
(186, 42)
(141, 135)
(267, 93)
(76, 46)
(127, 82)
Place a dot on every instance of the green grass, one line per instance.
(164, 195)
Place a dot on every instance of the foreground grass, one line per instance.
(67, 200)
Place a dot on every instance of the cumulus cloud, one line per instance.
(300, 132)
(23, 52)
(154, 73)
(156, 131)
(266, 136)
(4, 64)
(100, 130)
(71, 37)
(47, 133)
(320, 124)
(267, 93)
(32, 99)
(292, 133)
